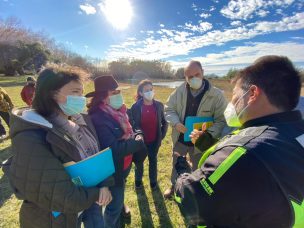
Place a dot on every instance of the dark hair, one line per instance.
(50, 80)
(277, 77)
(96, 100)
(141, 86)
(30, 79)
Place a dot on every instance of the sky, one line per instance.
(220, 34)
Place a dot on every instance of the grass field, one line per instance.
(149, 209)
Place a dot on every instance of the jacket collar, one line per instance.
(140, 102)
(33, 117)
(281, 117)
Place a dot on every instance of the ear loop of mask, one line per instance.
(241, 112)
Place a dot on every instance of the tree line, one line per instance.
(23, 51)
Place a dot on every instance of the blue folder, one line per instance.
(195, 122)
(90, 171)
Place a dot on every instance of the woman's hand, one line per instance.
(139, 137)
(105, 196)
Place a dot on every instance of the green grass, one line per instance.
(148, 209)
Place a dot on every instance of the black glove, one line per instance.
(205, 141)
(182, 166)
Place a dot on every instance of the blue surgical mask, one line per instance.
(74, 105)
(116, 101)
(195, 83)
(149, 95)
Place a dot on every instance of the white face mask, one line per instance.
(231, 116)
(195, 83)
(149, 95)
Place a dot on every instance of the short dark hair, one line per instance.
(50, 80)
(277, 77)
(30, 79)
(141, 86)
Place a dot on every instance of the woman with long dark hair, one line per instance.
(43, 138)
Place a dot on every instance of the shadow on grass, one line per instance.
(144, 208)
(5, 189)
(161, 209)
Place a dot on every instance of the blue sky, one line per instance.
(220, 34)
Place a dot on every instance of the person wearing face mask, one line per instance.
(109, 116)
(195, 97)
(252, 177)
(54, 132)
(147, 115)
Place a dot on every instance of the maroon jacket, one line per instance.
(27, 93)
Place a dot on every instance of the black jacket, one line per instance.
(109, 134)
(135, 119)
(252, 178)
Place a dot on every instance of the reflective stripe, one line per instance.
(201, 226)
(226, 164)
(298, 214)
(211, 149)
(177, 198)
(206, 186)
(206, 155)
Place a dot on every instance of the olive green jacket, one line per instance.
(6, 103)
(38, 176)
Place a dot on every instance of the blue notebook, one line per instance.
(90, 171)
(196, 122)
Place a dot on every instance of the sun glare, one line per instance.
(118, 12)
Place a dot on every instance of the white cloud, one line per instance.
(245, 9)
(297, 38)
(162, 25)
(194, 7)
(68, 43)
(236, 23)
(205, 15)
(241, 56)
(262, 13)
(279, 11)
(88, 9)
(172, 43)
(202, 27)
(212, 8)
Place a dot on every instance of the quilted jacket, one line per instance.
(38, 176)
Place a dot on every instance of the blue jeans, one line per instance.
(113, 210)
(92, 217)
(152, 156)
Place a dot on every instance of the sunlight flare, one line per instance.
(118, 12)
